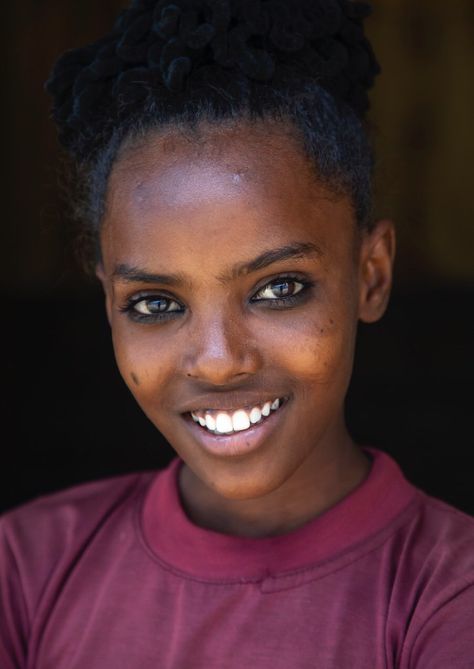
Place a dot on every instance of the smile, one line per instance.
(227, 422)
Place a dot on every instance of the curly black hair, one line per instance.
(306, 64)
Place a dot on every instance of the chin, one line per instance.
(245, 480)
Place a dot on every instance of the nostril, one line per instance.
(221, 363)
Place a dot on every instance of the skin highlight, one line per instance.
(198, 209)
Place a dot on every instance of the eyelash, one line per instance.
(286, 301)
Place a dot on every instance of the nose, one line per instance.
(220, 349)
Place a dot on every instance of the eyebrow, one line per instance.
(131, 274)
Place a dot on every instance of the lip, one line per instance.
(237, 443)
(229, 402)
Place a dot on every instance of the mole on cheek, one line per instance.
(135, 378)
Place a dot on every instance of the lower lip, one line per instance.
(237, 443)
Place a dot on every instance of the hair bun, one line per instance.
(159, 48)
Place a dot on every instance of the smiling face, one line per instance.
(233, 277)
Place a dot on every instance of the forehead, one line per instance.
(226, 182)
(228, 158)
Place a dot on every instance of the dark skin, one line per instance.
(198, 207)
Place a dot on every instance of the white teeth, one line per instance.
(224, 423)
(255, 415)
(210, 422)
(240, 420)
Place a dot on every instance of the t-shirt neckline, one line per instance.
(202, 553)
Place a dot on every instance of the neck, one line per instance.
(323, 479)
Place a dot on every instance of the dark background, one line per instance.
(69, 417)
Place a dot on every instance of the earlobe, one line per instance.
(376, 271)
(101, 275)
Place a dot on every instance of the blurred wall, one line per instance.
(423, 111)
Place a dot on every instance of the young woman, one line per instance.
(227, 179)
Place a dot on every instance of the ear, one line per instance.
(377, 253)
(101, 275)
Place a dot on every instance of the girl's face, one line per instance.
(233, 279)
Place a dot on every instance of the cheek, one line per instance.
(316, 349)
(140, 358)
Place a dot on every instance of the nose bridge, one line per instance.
(217, 345)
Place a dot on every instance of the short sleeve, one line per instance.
(13, 618)
(447, 637)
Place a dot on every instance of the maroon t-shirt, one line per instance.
(113, 575)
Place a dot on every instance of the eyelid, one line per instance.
(151, 292)
(149, 295)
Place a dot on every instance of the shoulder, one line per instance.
(42, 540)
(39, 536)
(70, 508)
(433, 552)
(434, 586)
(424, 531)
(423, 534)
(444, 537)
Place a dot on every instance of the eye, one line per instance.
(154, 305)
(151, 308)
(282, 289)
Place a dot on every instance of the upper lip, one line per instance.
(230, 402)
